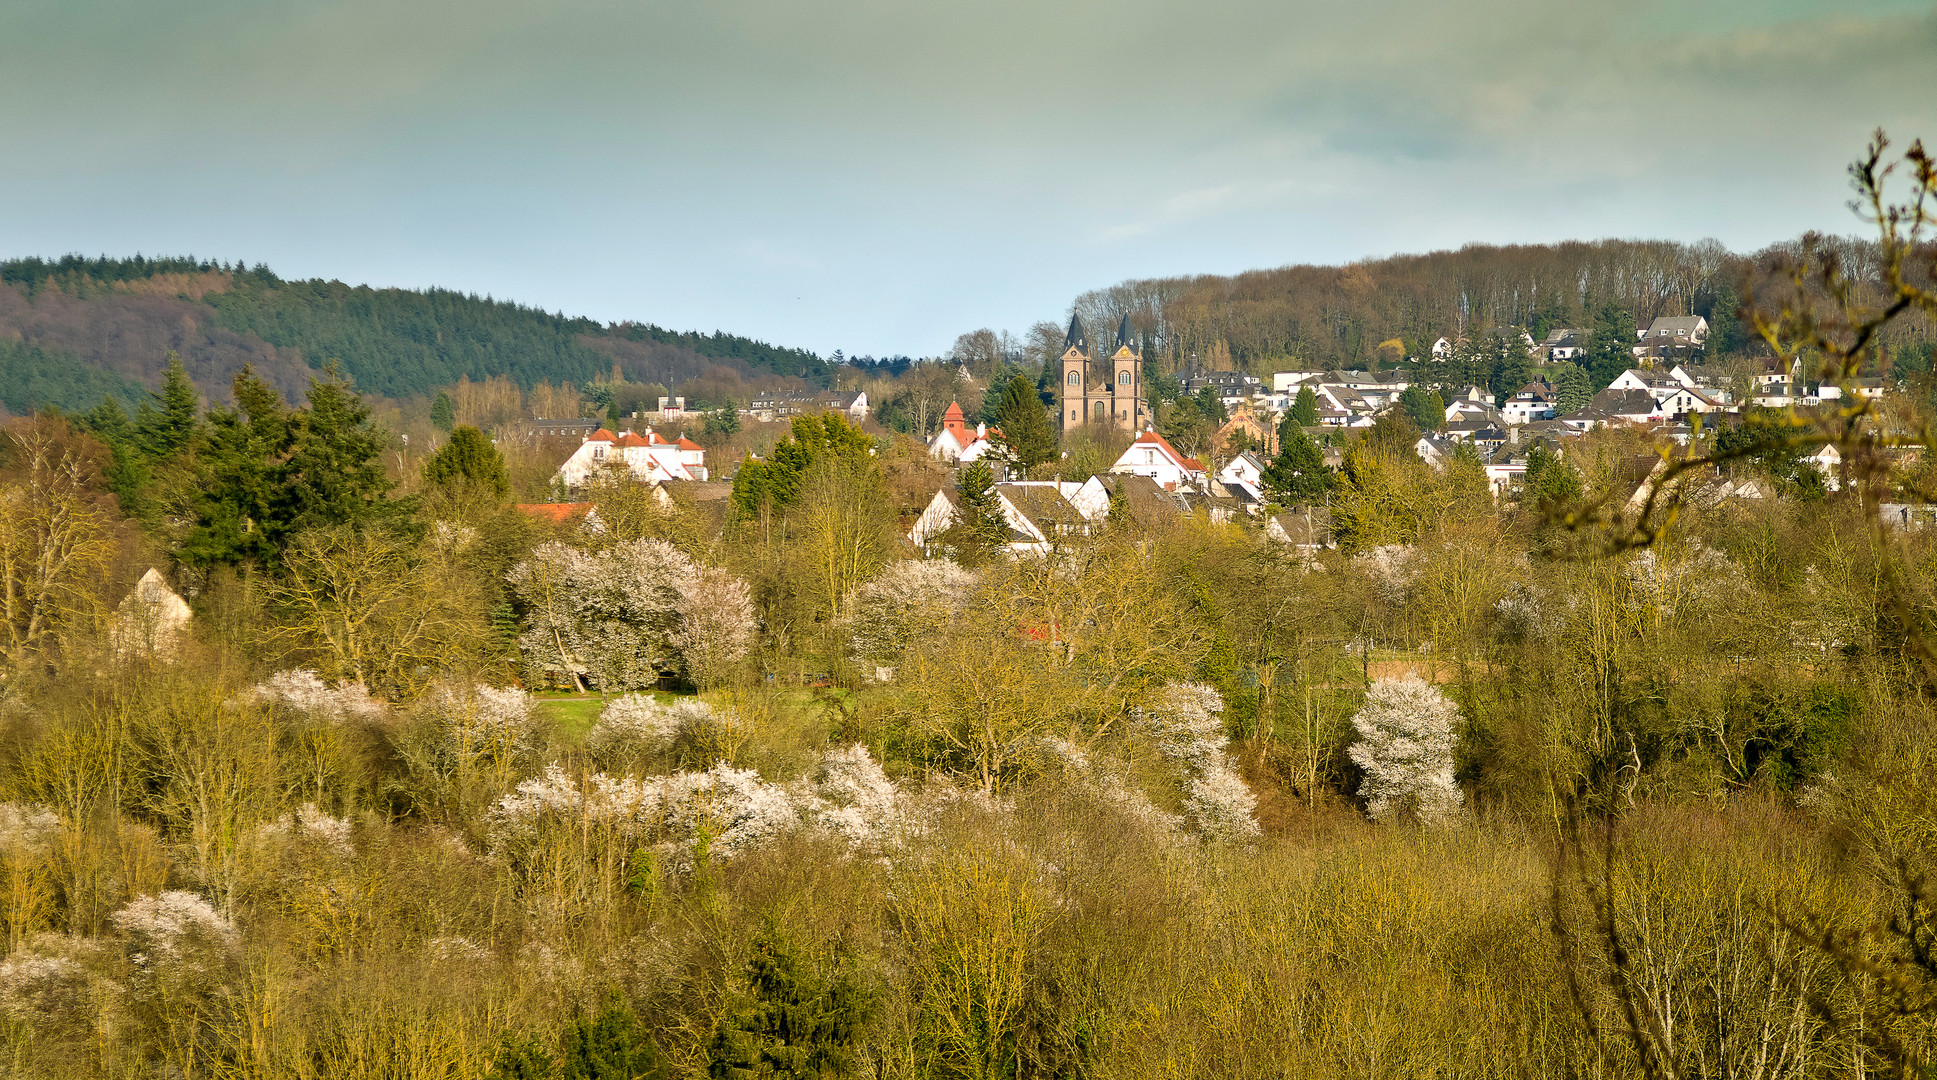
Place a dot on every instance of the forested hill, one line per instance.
(75, 329)
(1353, 315)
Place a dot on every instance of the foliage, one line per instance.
(1405, 746)
(799, 1025)
(1298, 475)
(1026, 433)
(1304, 408)
(470, 461)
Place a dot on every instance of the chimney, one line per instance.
(981, 431)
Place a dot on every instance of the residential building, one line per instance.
(956, 444)
(1155, 458)
(647, 457)
(1243, 477)
(1535, 401)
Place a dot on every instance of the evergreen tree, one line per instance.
(610, 1046)
(333, 475)
(1392, 435)
(1297, 476)
(776, 481)
(1612, 349)
(1572, 390)
(242, 479)
(1025, 425)
(800, 1026)
(724, 420)
(1304, 408)
(981, 507)
(168, 421)
(469, 461)
(1425, 408)
(1511, 370)
(1552, 482)
(443, 412)
(128, 474)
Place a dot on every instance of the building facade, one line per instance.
(1103, 389)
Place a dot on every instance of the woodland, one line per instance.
(1596, 780)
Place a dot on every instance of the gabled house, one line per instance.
(1566, 343)
(1535, 401)
(1021, 536)
(1243, 477)
(1613, 406)
(646, 457)
(1152, 456)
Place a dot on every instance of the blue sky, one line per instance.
(881, 175)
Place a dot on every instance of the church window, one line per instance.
(1072, 380)
(1123, 377)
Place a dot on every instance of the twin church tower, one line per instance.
(1103, 391)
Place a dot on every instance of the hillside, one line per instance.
(1349, 316)
(73, 330)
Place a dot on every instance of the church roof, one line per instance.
(1125, 337)
(1076, 338)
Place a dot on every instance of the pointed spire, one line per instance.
(1076, 338)
(1125, 337)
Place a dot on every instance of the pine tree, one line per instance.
(469, 461)
(1298, 475)
(1612, 350)
(240, 500)
(169, 420)
(800, 1026)
(443, 412)
(1025, 426)
(1305, 408)
(981, 507)
(610, 1046)
(334, 475)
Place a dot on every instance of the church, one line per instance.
(1099, 390)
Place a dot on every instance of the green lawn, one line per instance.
(570, 715)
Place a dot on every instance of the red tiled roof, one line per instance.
(629, 439)
(688, 444)
(601, 435)
(1151, 438)
(557, 512)
(954, 412)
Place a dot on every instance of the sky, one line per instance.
(878, 176)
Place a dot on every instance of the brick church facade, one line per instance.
(1103, 389)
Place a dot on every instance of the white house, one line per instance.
(1675, 395)
(1021, 538)
(1152, 456)
(648, 457)
(152, 621)
(1534, 401)
(1244, 473)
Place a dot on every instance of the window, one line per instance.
(1072, 380)
(1123, 377)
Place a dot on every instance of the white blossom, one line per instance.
(24, 825)
(1110, 787)
(731, 807)
(1184, 719)
(307, 692)
(1393, 569)
(171, 929)
(35, 986)
(638, 721)
(907, 600)
(1405, 747)
(1672, 581)
(854, 798)
(483, 716)
(716, 623)
(311, 825)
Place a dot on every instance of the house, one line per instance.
(1155, 458)
(772, 405)
(647, 457)
(1433, 450)
(1289, 382)
(1305, 531)
(152, 622)
(1442, 350)
(1829, 460)
(1243, 477)
(1674, 397)
(1535, 401)
(1020, 537)
(1613, 406)
(1231, 386)
(1256, 431)
(956, 444)
(1566, 343)
(1692, 329)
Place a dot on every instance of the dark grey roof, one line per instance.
(1125, 336)
(1076, 338)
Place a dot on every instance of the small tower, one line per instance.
(1076, 375)
(1126, 378)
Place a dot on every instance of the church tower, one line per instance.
(1126, 379)
(1076, 375)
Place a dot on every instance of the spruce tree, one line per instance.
(1297, 476)
(469, 461)
(981, 507)
(1025, 425)
(168, 420)
(240, 499)
(610, 1046)
(443, 412)
(800, 1025)
(1305, 408)
(334, 475)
